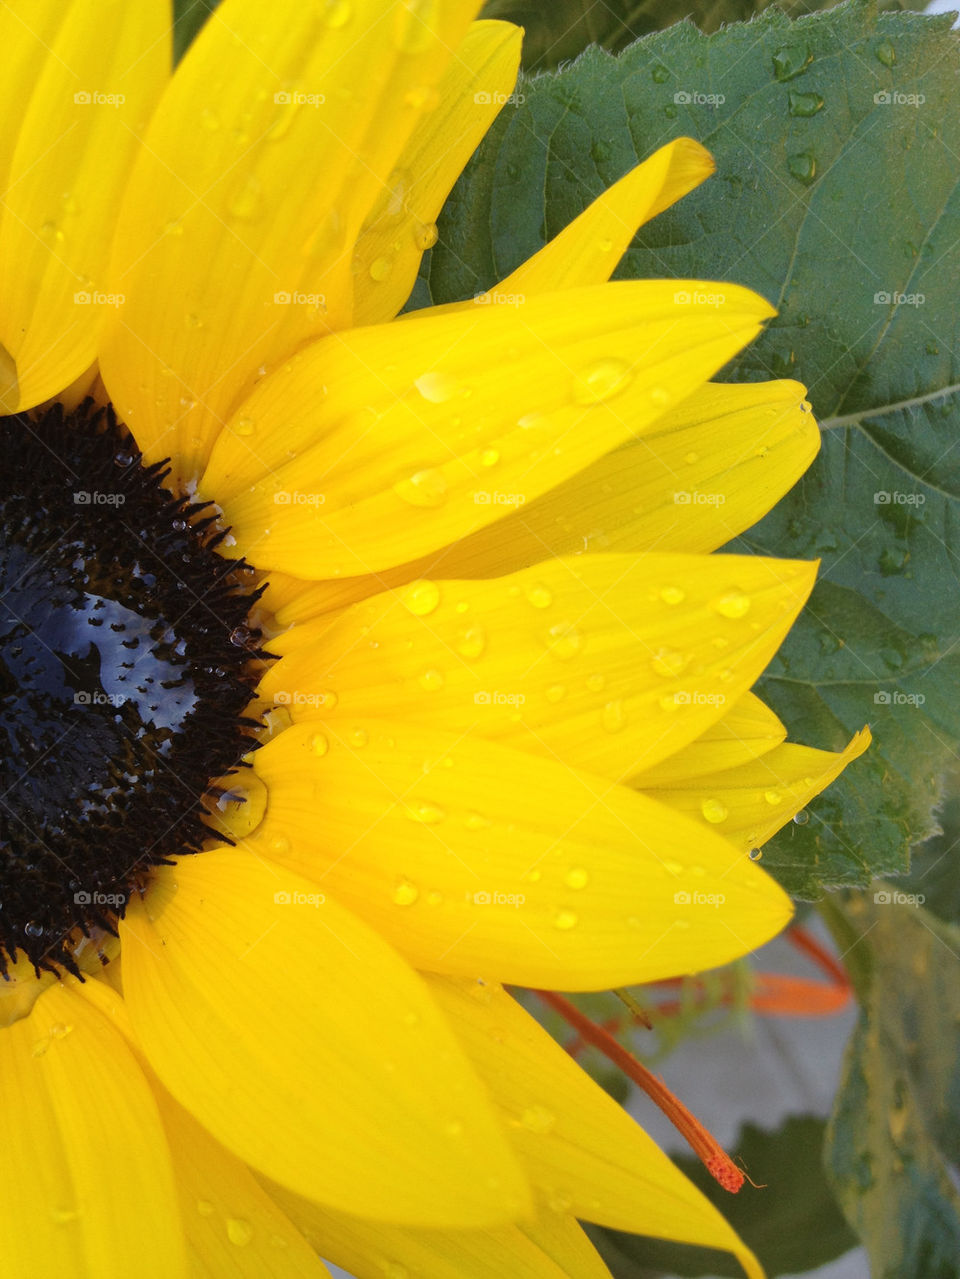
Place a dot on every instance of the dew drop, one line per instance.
(733, 604)
(422, 598)
(673, 868)
(667, 662)
(380, 269)
(539, 595)
(426, 488)
(804, 104)
(601, 381)
(239, 1232)
(565, 920)
(438, 387)
(886, 53)
(431, 680)
(755, 854)
(425, 236)
(359, 737)
(477, 821)
(425, 813)
(489, 457)
(660, 74)
(538, 1119)
(791, 60)
(614, 716)
(555, 693)
(773, 797)
(576, 877)
(246, 201)
(672, 595)
(405, 893)
(595, 682)
(204, 1207)
(471, 642)
(714, 811)
(319, 745)
(209, 120)
(33, 929)
(802, 166)
(564, 641)
(670, 111)
(802, 817)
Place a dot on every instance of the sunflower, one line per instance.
(354, 666)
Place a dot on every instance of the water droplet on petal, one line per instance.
(438, 387)
(672, 595)
(422, 597)
(424, 488)
(477, 821)
(755, 854)
(614, 716)
(204, 1207)
(405, 893)
(538, 1119)
(601, 381)
(336, 13)
(431, 680)
(471, 642)
(425, 235)
(247, 198)
(489, 457)
(555, 693)
(426, 814)
(773, 797)
(802, 817)
(564, 641)
(239, 1232)
(673, 868)
(596, 682)
(667, 662)
(319, 744)
(380, 269)
(577, 877)
(733, 604)
(714, 811)
(539, 595)
(565, 920)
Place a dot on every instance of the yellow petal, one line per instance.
(757, 798)
(582, 1150)
(403, 224)
(588, 250)
(232, 1226)
(372, 1250)
(605, 662)
(748, 730)
(81, 102)
(380, 445)
(235, 239)
(708, 470)
(89, 1173)
(308, 1048)
(471, 857)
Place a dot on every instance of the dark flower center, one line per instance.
(127, 660)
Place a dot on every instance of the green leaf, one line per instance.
(188, 17)
(826, 196)
(894, 1137)
(557, 30)
(792, 1224)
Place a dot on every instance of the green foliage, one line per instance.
(894, 1138)
(837, 196)
(188, 17)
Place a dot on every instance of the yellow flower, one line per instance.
(508, 733)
